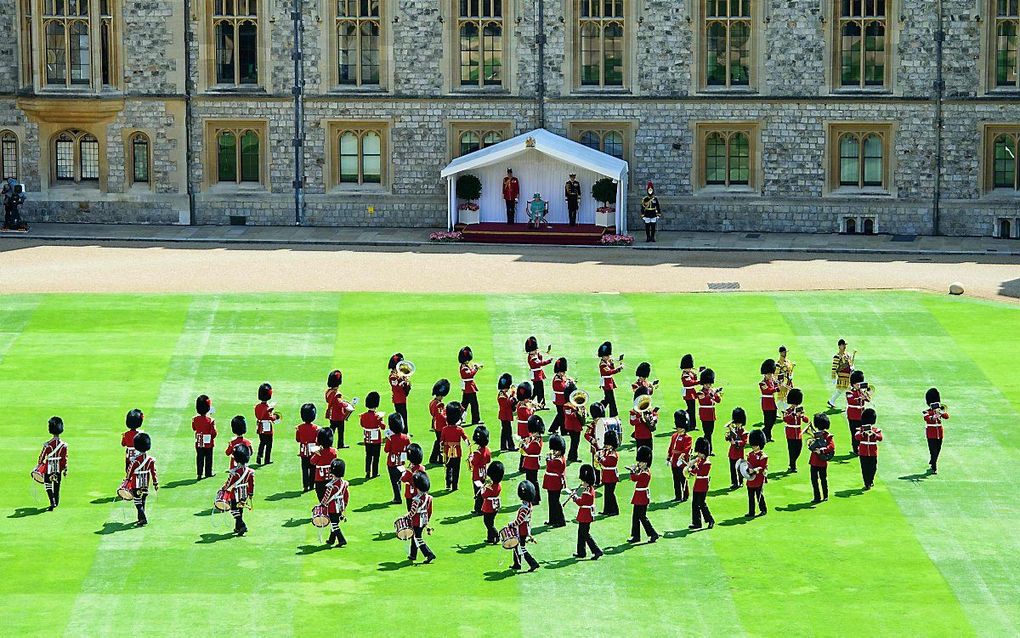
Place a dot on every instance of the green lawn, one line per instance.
(915, 556)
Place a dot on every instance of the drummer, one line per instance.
(335, 500)
(240, 487)
(52, 462)
(522, 525)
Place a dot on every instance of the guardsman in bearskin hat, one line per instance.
(142, 471)
(372, 421)
(700, 469)
(608, 460)
(572, 194)
(240, 487)
(525, 410)
(531, 451)
(239, 427)
(651, 211)
(736, 436)
(574, 417)
(266, 419)
(842, 367)
(768, 387)
(322, 459)
(934, 415)
(857, 397)
(708, 397)
(584, 498)
(400, 386)
(689, 379)
(479, 460)
(415, 459)
(758, 466)
(396, 446)
(53, 461)
(437, 408)
(559, 384)
(338, 409)
(644, 422)
(868, 438)
(453, 435)
(641, 475)
(820, 458)
(597, 412)
(305, 435)
(335, 499)
(793, 420)
(536, 363)
(506, 398)
(468, 371)
(490, 493)
(555, 480)
(643, 371)
(421, 514)
(608, 368)
(133, 421)
(205, 436)
(679, 454)
(527, 493)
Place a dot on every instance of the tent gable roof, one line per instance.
(545, 142)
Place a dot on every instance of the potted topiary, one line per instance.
(604, 191)
(469, 189)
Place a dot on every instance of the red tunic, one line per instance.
(867, 441)
(643, 383)
(854, 404)
(421, 509)
(321, 461)
(608, 459)
(738, 444)
(337, 408)
(700, 472)
(451, 437)
(591, 436)
(641, 490)
(523, 521)
(756, 459)
(467, 378)
(143, 469)
(768, 388)
(793, 420)
(532, 452)
(395, 449)
(707, 398)
(438, 411)
(205, 431)
(407, 478)
(480, 460)
(679, 452)
(554, 479)
(933, 423)
(689, 379)
(830, 446)
(640, 424)
(372, 427)
(265, 419)
(240, 484)
(535, 363)
(585, 501)
(559, 383)
(606, 372)
(127, 441)
(337, 496)
(234, 443)
(399, 386)
(511, 188)
(305, 436)
(524, 412)
(507, 403)
(54, 455)
(571, 419)
(490, 498)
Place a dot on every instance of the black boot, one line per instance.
(340, 540)
(532, 563)
(517, 562)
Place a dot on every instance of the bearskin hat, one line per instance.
(768, 366)
(241, 454)
(756, 438)
(557, 444)
(394, 360)
(738, 416)
(480, 436)
(395, 422)
(334, 379)
(338, 468)
(701, 446)
(682, 420)
(644, 454)
(569, 389)
(238, 425)
(505, 381)
(465, 354)
(597, 410)
(203, 404)
(795, 396)
(587, 474)
(821, 421)
(611, 439)
(56, 425)
(857, 376)
(869, 417)
(707, 376)
(932, 396)
(644, 369)
(526, 492)
(142, 442)
(324, 437)
(560, 365)
(495, 471)
(265, 392)
(308, 412)
(524, 391)
(687, 361)
(454, 412)
(441, 388)
(372, 400)
(415, 454)
(606, 349)
(530, 344)
(536, 425)
(134, 419)
(421, 482)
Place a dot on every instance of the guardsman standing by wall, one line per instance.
(572, 193)
(511, 193)
(650, 213)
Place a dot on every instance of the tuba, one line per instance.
(643, 403)
(405, 368)
(578, 398)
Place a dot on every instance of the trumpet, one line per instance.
(578, 398)
(405, 368)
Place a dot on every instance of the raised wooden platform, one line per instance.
(495, 233)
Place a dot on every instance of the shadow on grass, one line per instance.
(279, 496)
(916, 478)
(616, 550)
(308, 550)
(495, 577)
(386, 536)
(561, 563)
(392, 566)
(113, 528)
(205, 512)
(665, 505)
(850, 493)
(207, 539)
(106, 500)
(371, 507)
(361, 480)
(22, 512)
(796, 507)
(471, 549)
(182, 483)
(453, 520)
(296, 522)
(678, 533)
(735, 521)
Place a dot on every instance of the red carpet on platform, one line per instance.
(495, 233)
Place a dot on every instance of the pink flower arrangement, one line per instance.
(444, 236)
(468, 206)
(606, 209)
(617, 240)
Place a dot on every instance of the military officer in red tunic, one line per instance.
(701, 468)
(490, 495)
(479, 460)
(933, 432)
(239, 427)
(511, 193)
(708, 397)
(204, 428)
(506, 399)
(468, 371)
(400, 387)
(608, 459)
(584, 498)
(679, 455)
(868, 438)
(555, 481)
(522, 523)
(820, 458)
(643, 421)
(338, 409)
(525, 409)
(608, 368)
(396, 452)
(372, 431)
(305, 435)
(266, 419)
(453, 435)
(768, 387)
(689, 380)
(793, 421)
(857, 397)
(736, 436)
(536, 363)
(335, 499)
(758, 466)
(141, 473)
(53, 461)
(437, 408)
(559, 383)
(574, 416)
(641, 475)
(421, 514)
(415, 457)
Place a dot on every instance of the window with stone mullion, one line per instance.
(601, 32)
(861, 160)
(1007, 41)
(1004, 168)
(360, 157)
(238, 156)
(358, 32)
(727, 33)
(861, 42)
(473, 140)
(235, 33)
(480, 33)
(8, 155)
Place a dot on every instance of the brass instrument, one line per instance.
(405, 368)
(578, 399)
(643, 403)
(868, 390)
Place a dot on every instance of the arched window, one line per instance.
(359, 155)
(861, 160)
(480, 35)
(727, 159)
(1004, 164)
(139, 159)
(8, 155)
(727, 33)
(359, 34)
(609, 141)
(1007, 34)
(75, 157)
(236, 34)
(471, 140)
(600, 42)
(238, 156)
(862, 52)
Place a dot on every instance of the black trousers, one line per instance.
(394, 482)
(52, 486)
(869, 466)
(506, 436)
(372, 459)
(452, 472)
(639, 519)
(521, 551)
(532, 475)
(708, 427)
(934, 448)
(238, 513)
(338, 433)
(511, 211)
(471, 399)
(610, 507)
(650, 231)
(680, 490)
(266, 448)
(539, 390)
(140, 496)
(735, 479)
(436, 456)
(419, 543)
(699, 509)
(307, 473)
(335, 533)
(755, 495)
(794, 447)
(692, 412)
(556, 518)
(855, 425)
(639, 442)
(491, 535)
(584, 540)
(820, 477)
(572, 211)
(769, 418)
(401, 409)
(320, 489)
(610, 402)
(557, 423)
(203, 461)
(575, 440)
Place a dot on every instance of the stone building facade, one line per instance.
(756, 115)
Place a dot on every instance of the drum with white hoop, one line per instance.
(222, 502)
(126, 489)
(319, 516)
(403, 528)
(39, 473)
(743, 469)
(508, 537)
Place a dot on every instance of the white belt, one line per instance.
(641, 489)
(588, 507)
(464, 382)
(555, 393)
(698, 477)
(868, 443)
(767, 396)
(553, 474)
(609, 377)
(532, 456)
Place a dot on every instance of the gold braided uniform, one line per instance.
(784, 377)
(842, 366)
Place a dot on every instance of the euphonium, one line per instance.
(643, 403)
(578, 398)
(405, 368)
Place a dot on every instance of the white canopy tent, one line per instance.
(541, 161)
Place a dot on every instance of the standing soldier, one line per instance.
(608, 459)
(452, 436)
(338, 409)
(240, 487)
(479, 461)
(526, 492)
(708, 397)
(679, 455)
(820, 458)
(415, 456)
(559, 383)
(650, 212)
(936, 413)
(701, 467)
(641, 474)
(643, 371)
(689, 379)
(265, 420)
(531, 451)
(768, 387)
(584, 498)
(490, 494)
(335, 499)
(396, 452)
(322, 460)
(736, 436)
(758, 465)
(53, 461)
(305, 435)
(574, 416)
(239, 427)
(607, 369)
(857, 395)
(507, 400)
(511, 192)
(784, 377)
(793, 420)
(205, 437)
(133, 421)
(868, 438)
(525, 410)
(535, 363)
(842, 367)
(644, 421)
(142, 473)
(572, 193)
(468, 385)
(372, 431)
(555, 481)
(400, 386)
(421, 514)
(437, 408)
